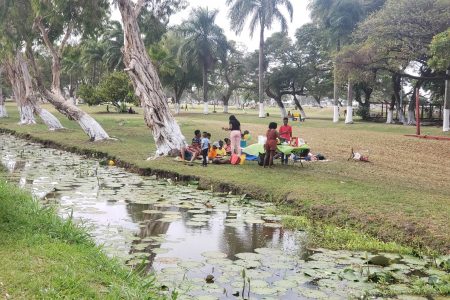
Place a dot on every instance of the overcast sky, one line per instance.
(301, 16)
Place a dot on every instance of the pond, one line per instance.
(201, 244)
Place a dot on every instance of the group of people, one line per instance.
(273, 137)
(216, 152)
(219, 151)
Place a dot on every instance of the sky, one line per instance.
(301, 16)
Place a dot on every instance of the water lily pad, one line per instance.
(258, 284)
(269, 251)
(285, 284)
(249, 256)
(254, 221)
(151, 211)
(265, 291)
(190, 264)
(214, 254)
(173, 270)
(141, 246)
(195, 223)
(160, 250)
(219, 261)
(167, 260)
(248, 264)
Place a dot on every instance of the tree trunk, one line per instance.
(91, 127)
(390, 112)
(446, 116)
(397, 87)
(205, 89)
(297, 103)
(349, 115)
(3, 112)
(48, 118)
(165, 130)
(335, 90)
(26, 111)
(262, 113)
(412, 105)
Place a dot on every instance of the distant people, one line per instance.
(131, 110)
(186, 107)
(235, 135)
(285, 137)
(271, 144)
(205, 148)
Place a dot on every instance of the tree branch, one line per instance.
(138, 8)
(44, 33)
(66, 38)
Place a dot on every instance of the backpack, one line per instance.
(235, 159)
(261, 159)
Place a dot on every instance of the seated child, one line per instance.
(213, 151)
(227, 146)
(221, 152)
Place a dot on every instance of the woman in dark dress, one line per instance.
(271, 144)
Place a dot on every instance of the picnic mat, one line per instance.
(256, 149)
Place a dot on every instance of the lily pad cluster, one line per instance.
(202, 244)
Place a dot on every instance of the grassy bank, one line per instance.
(45, 257)
(401, 196)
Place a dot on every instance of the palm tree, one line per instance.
(339, 18)
(262, 13)
(113, 38)
(204, 41)
(92, 57)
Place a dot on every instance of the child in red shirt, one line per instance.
(285, 136)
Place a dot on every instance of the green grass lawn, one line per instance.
(402, 195)
(45, 257)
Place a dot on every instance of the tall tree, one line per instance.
(174, 74)
(440, 60)
(57, 21)
(338, 18)
(113, 38)
(262, 13)
(15, 25)
(204, 43)
(3, 112)
(157, 115)
(399, 36)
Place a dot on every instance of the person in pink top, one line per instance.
(285, 136)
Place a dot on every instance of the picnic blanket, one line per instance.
(256, 149)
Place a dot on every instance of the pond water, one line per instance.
(201, 244)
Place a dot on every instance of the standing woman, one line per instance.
(271, 144)
(235, 135)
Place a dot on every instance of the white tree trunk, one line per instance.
(26, 115)
(411, 117)
(49, 119)
(177, 108)
(91, 127)
(165, 130)
(283, 112)
(349, 115)
(446, 123)
(262, 113)
(225, 108)
(401, 117)
(3, 112)
(335, 113)
(390, 116)
(446, 116)
(205, 108)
